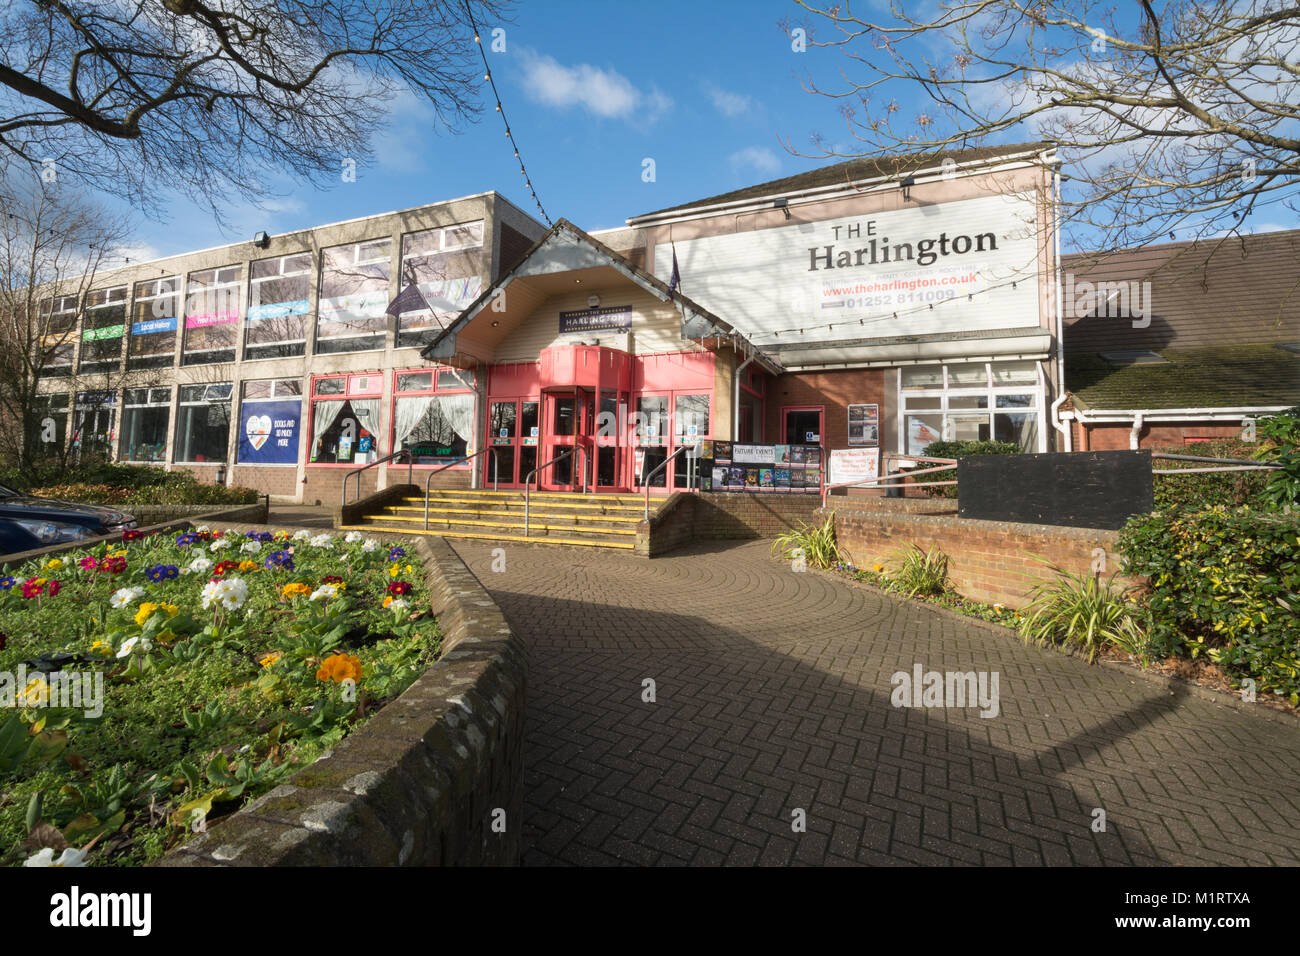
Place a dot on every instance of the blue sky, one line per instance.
(710, 91)
(706, 90)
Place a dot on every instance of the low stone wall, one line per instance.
(423, 782)
(148, 515)
(990, 561)
(354, 511)
(709, 516)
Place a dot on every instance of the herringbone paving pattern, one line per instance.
(773, 695)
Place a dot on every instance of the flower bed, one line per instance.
(152, 686)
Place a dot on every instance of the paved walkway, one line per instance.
(773, 695)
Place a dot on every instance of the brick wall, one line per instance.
(684, 518)
(990, 561)
(1116, 437)
(276, 482)
(835, 390)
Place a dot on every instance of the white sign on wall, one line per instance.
(854, 464)
(857, 272)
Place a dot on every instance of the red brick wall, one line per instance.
(835, 390)
(1115, 437)
(277, 482)
(990, 561)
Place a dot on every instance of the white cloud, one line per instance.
(760, 158)
(726, 102)
(604, 93)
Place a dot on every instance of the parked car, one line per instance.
(28, 522)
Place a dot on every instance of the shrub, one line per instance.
(1224, 582)
(919, 572)
(1279, 437)
(1205, 490)
(184, 492)
(814, 544)
(1077, 608)
(960, 449)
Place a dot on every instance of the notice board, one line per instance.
(1084, 489)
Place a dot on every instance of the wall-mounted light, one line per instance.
(907, 185)
(261, 240)
(593, 301)
(783, 205)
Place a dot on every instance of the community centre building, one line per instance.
(817, 328)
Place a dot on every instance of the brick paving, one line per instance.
(773, 694)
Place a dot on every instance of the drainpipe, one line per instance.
(1060, 426)
(1135, 432)
(1066, 431)
(735, 404)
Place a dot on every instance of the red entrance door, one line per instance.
(568, 418)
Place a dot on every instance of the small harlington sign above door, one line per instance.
(616, 318)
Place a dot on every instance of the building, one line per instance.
(273, 364)
(868, 307)
(1180, 343)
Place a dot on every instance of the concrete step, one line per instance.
(416, 513)
(512, 505)
(398, 522)
(487, 536)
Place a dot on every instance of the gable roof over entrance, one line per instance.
(564, 256)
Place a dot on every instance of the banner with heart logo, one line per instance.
(269, 433)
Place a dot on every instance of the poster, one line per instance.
(719, 477)
(853, 464)
(864, 425)
(722, 452)
(919, 435)
(753, 454)
(268, 433)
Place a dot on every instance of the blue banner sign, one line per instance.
(268, 432)
(150, 326)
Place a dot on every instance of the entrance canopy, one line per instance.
(564, 261)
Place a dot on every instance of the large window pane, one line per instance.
(1021, 428)
(446, 265)
(692, 418)
(203, 423)
(279, 297)
(51, 424)
(103, 329)
(354, 294)
(212, 307)
(441, 428)
(154, 320)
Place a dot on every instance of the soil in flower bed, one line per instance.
(148, 688)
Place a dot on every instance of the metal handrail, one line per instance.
(528, 486)
(450, 464)
(410, 461)
(889, 476)
(658, 468)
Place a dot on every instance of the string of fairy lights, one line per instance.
(487, 75)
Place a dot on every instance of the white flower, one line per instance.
(202, 527)
(325, 591)
(397, 604)
(219, 545)
(69, 857)
(234, 592)
(321, 541)
(211, 592)
(124, 596)
(370, 545)
(352, 537)
(301, 535)
(252, 547)
(130, 645)
(199, 565)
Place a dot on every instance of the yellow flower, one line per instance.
(170, 609)
(877, 567)
(118, 554)
(35, 694)
(145, 612)
(269, 660)
(394, 571)
(249, 566)
(295, 590)
(53, 564)
(340, 667)
(101, 647)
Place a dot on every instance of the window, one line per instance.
(345, 425)
(447, 265)
(145, 415)
(212, 305)
(353, 297)
(102, 330)
(154, 310)
(92, 425)
(50, 418)
(435, 421)
(279, 294)
(270, 414)
(56, 341)
(971, 401)
(203, 423)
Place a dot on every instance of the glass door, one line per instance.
(503, 439)
(563, 412)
